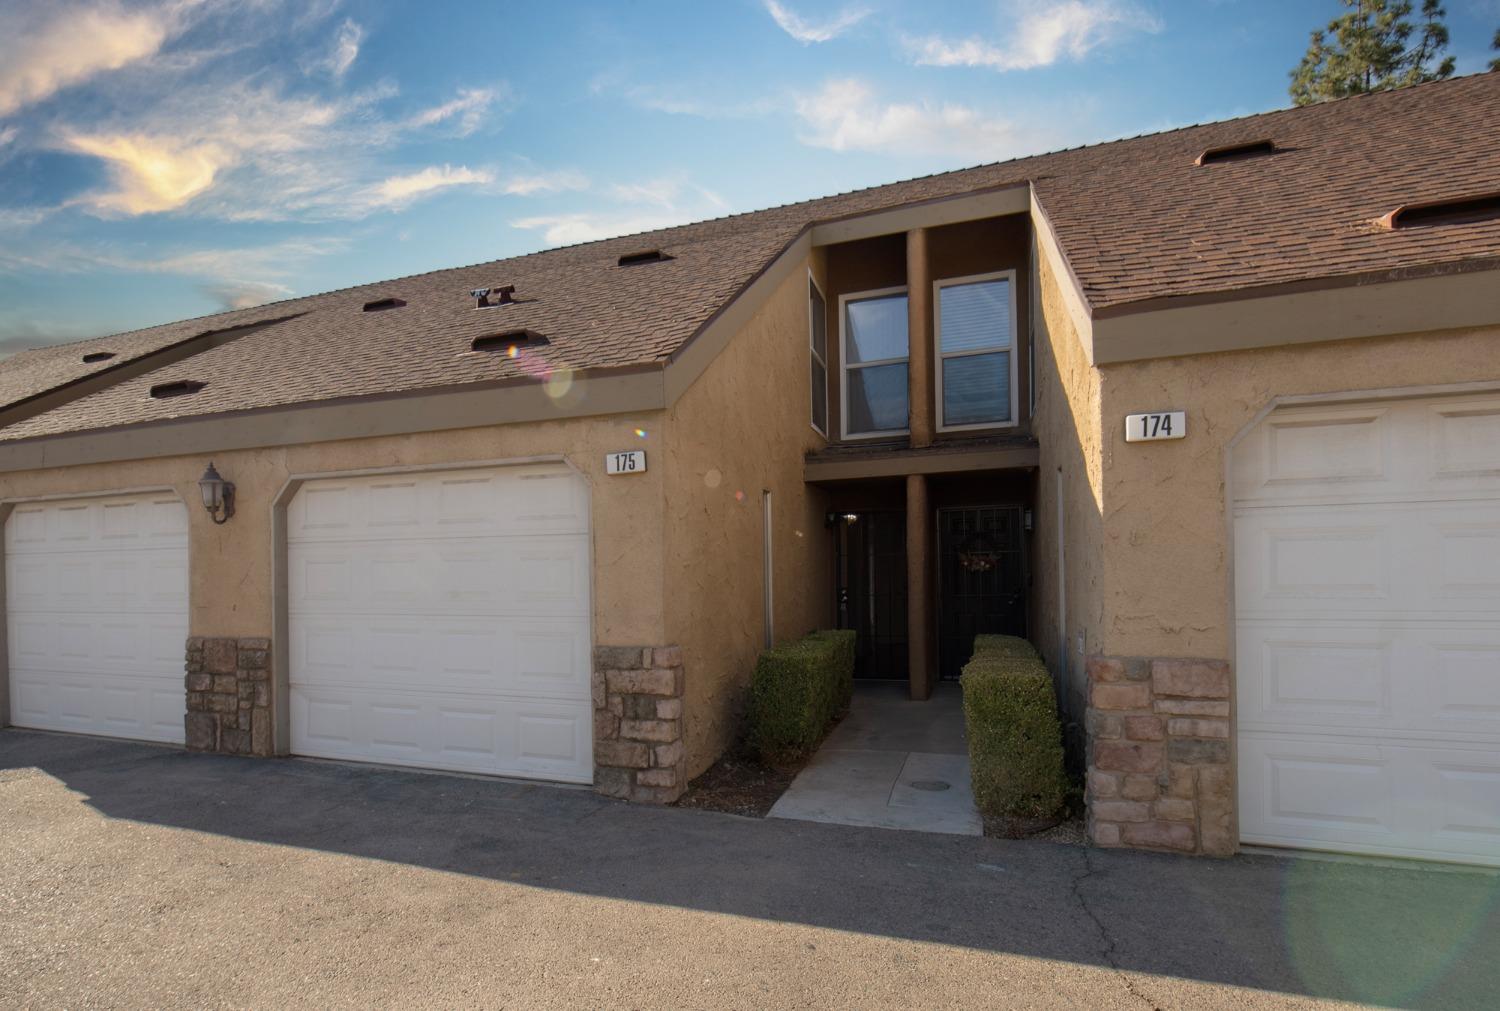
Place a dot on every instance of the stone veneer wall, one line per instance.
(638, 741)
(1159, 773)
(229, 696)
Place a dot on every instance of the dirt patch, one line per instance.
(739, 784)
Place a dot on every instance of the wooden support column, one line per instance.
(919, 607)
(919, 331)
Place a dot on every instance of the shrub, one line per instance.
(1015, 737)
(797, 691)
(1004, 645)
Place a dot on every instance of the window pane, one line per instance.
(976, 389)
(819, 311)
(819, 396)
(877, 398)
(876, 329)
(974, 316)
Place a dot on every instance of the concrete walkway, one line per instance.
(135, 876)
(890, 763)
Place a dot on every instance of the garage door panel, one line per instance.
(1409, 677)
(1466, 439)
(1367, 581)
(97, 602)
(443, 620)
(466, 733)
(504, 575)
(515, 501)
(544, 657)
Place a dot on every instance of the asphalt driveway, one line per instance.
(135, 876)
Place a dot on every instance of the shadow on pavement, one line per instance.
(1390, 935)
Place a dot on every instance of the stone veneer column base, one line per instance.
(229, 696)
(638, 742)
(1159, 773)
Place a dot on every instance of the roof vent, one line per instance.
(177, 388)
(509, 340)
(484, 298)
(642, 256)
(384, 303)
(1236, 152)
(1461, 211)
(97, 356)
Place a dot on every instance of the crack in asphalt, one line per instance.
(1106, 941)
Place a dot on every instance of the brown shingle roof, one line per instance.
(1137, 220)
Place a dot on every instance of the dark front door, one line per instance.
(871, 581)
(981, 580)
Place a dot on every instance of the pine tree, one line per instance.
(1370, 48)
(1495, 45)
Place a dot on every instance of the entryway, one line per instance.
(981, 584)
(891, 763)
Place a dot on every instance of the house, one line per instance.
(1212, 415)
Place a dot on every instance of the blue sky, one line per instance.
(167, 159)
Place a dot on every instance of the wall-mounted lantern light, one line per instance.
(218, 494)
(834, 519)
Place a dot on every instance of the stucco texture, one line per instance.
(1166, 545)
(1066, 424)
(740, 430)
(231, 565)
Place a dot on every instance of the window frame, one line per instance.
(812, 351)
(938, 357)
(845, 367)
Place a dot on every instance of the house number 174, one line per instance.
(1155, 425)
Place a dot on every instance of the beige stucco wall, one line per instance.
(1066, 424)
(1166, 550)
(230, 565)
(742, 429)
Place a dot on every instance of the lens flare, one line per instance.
(640, 433)
(739, 496)
(559, 382)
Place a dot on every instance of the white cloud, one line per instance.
(399, 191)
(544, 182)
(1039, 35)
(150, 174)
(244, 294)
(47, 47)
(845, 115)
(668, 202)
(345, 49)
(9, 134)
(235, 278)
(568, 229)
(469, 108)
(805, 31)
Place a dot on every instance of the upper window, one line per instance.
(976, 325)
(876, 354)
(817, 310)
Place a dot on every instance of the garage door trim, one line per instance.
(280, 595)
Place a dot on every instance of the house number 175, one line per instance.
(633, 462)
(1156, 425)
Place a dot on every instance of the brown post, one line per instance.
(919, 331)
(918, 587)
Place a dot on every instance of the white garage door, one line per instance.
(96, 594)
(442, 620)
(1367, 561)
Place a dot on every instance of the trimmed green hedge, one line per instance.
(1015, 737)
(798, 689)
